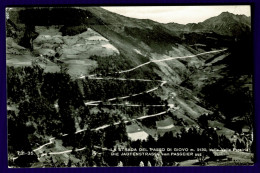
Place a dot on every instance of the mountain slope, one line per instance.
(229, 24)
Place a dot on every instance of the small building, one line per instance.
(218, 155)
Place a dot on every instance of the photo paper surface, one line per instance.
(129, 86)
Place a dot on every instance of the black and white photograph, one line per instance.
(130, 86)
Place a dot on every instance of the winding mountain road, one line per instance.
(159, 60)
(51, 140)
(125, 97)
(96, 129)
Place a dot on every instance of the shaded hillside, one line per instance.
(158, 38)
(225, 82)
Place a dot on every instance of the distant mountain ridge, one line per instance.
(224, 24)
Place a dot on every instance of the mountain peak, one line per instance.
(226, 13)
(228, 24)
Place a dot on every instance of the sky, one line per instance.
(178, 14)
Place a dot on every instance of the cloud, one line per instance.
(178, 14)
